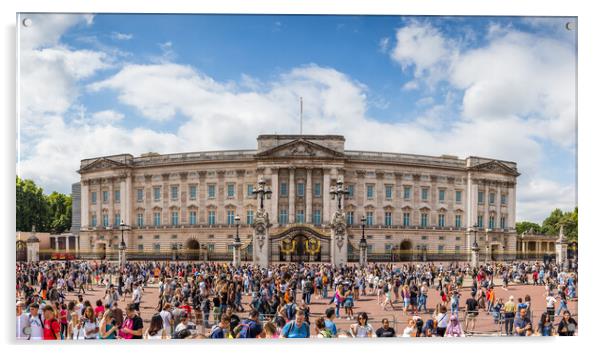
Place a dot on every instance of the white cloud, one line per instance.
(46, 29)
(384, 44)
(121, 36)
(226, 115)
(105, 117)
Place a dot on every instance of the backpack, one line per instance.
(290, 311)
(243, 330)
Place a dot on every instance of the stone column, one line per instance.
(126, 207)
(498, 206)
(56, 243)
(236, 254)
(99, 204)
(511, 206)
(274, 216)
(111, 207)
(77, 245)
(85, 207)
(474, 260)
(308, 197)
(291, 195)
(326, 197)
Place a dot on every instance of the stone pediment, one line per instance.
(102, 164)
(300, 148)
(494, 167)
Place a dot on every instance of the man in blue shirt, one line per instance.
(522, 324)
(329, 323)
(297, 328)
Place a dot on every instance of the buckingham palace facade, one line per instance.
(184, 205)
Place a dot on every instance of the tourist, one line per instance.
(156, 329)
(567, 326)
(442, 320)
(36, 323)
(545, 327)
(328, 321)
(52, 327)
(454, 328)
(222, 329)
(386, 330)
(107, 328)
(321, 330)
(249, 328)
(22, 322)
(522, 324)
(509, 313)
(132, 325)
(410, 329)
(362, 328)
(297, 328)
(89, 324)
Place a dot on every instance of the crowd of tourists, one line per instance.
(205, 300)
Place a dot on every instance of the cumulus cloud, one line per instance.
(208, 114)
(121, 36)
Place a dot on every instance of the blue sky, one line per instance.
(501, 87)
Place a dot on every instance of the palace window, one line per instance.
(317, 189)
(117, 197)
(174, 218)
(192, 218)
(250, 190)
(458, 196)
(388, 248)
(249, 216)
(300, 216)
(230, 190)
(140, 219)
(105, 197)
(139, 195)
(406, 219)
(157, 247)
(370, 248)
(369, 218)
(93, 222)
(140, 247)
(283, 216)
(388, 192)
(441, 220)
(441, 195)
(105, 220)
(503, 222)
(211, 217)
(317, 219)
(157, 193)
(283, 190)
(491, 198)
(350, 218)
(211, 191)
(503, 199)
(480, 221)
(440, 248)
(424, 220)
(211, 247)
(370, 191)
(388, 219)
(480, 197)
(425, 194)
(300, 189)
(192, 192)
(117, 219)
(491, 222)
(407, 192)
(458, 221)
(230, 217)
(157, 219)
(94, 197)
(351, 190)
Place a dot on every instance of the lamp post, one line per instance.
(474, 259)
(236, 244)
(262, 191)
(338, 192)
(122, 246)
(363, 245)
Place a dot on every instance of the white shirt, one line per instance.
(22, 322)
(137, 295)
(37, 327)
(166, 316)
(157, 336)
(363, 331)
(550, 300)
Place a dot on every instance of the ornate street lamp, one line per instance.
(262, 191)
(236, 245)
(363, 244)
(122, 245)
(338, 191)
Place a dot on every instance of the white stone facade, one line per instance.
(190, 199)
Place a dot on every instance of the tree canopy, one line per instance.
(551, 225)
(49, 213)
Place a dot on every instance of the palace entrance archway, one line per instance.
(300, 244)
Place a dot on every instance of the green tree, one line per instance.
(32, 208)
(569, 221)
(525, 226)
(551, 225)
(60, 212)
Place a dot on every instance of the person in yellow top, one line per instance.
(509, 314)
